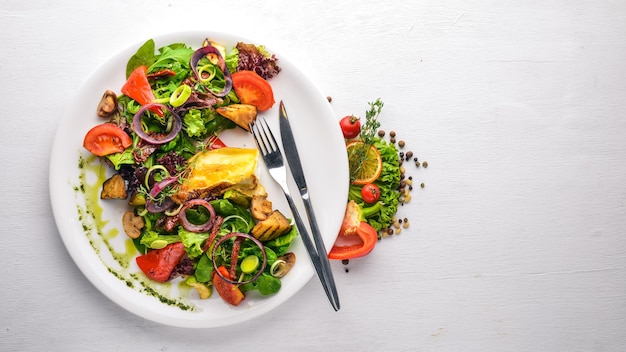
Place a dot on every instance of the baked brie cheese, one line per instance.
(213, 172)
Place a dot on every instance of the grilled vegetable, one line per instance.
(114, 188)
(241, 114)
(275, 225)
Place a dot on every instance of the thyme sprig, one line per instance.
(367, 136)
(371, 125)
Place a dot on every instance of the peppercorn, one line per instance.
(381, 133)
(392, 140)
(424, 164)
(409, 154)
(329, 98)
(422, 185)
(392, 134)
(401, 144)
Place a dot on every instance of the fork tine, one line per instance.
(269, 136)
(258, 139)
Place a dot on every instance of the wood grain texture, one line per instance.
(516, 242)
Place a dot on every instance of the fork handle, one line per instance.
(315, 257)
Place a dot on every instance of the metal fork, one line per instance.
(273, 159)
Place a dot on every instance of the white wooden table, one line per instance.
(516, 242)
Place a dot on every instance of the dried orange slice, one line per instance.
(365, 162)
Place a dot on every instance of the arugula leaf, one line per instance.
(144, 56)
(174, 57)
(125, 157)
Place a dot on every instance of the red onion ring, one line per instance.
(136, 126)
(154, 207)
(187, 225)
(245, 236)
(202, 52)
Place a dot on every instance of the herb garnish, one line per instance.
(368, 131)
(367, 136)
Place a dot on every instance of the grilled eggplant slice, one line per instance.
(275, 225)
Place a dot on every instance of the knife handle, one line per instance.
(321, 248)
(313, 253)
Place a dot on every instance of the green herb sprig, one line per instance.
(371, 125)
(367, 136)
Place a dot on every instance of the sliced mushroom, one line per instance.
(108, 104)
(283, 264)
(132, 224)
(260, 207)
(114, 188)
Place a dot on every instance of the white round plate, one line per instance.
(95, 245)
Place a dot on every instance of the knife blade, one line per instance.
(295, 166)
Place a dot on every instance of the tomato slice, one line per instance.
(230, 293)
(158, 264)
(355, 246)
(105, 139)
(138, 88)
(253, 89)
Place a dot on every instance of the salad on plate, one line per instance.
(196, 207)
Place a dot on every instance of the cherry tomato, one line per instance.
(350, 126)
(370, 193)
(253, 89)
(105, 139)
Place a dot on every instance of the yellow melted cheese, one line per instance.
(212, 172)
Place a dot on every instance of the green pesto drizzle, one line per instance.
(90, 215)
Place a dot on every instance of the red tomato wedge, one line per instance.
(105, 139)
(230, 293)
(138, 88)
(253, 89)
(158, 264)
